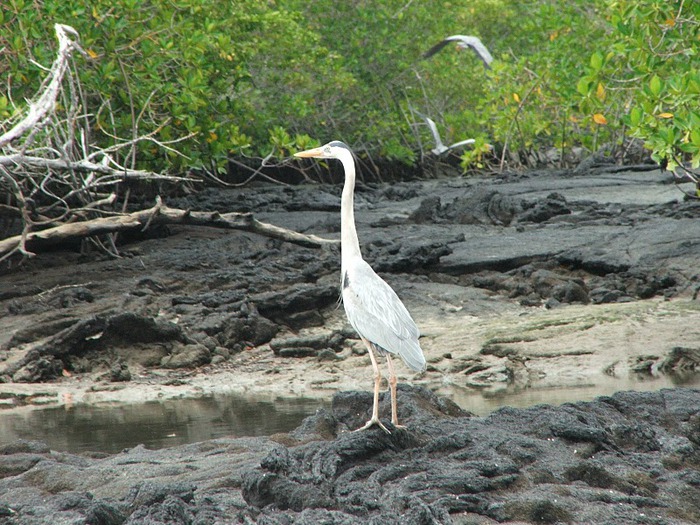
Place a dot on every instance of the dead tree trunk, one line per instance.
(157, 215)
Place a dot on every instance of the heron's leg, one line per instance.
(374, 420)
(392, 388)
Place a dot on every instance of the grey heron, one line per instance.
(463, 42)
(371, 305)
(440, 147)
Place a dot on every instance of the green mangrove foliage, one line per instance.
(254, 78)
(228, 73)
(651, 68)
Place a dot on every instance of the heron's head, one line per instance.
(332, 150)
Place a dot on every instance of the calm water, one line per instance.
(81, 428)
(605, 385)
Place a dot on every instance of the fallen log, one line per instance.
(157, 215)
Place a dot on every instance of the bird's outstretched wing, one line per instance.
(464, 41)
(478, 47)
(461, 143)
(378, 315)
(436, 48)
(439, 146)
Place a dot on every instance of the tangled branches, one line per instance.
(51, 171)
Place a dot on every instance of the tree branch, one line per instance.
(46, 103)
(157, 215)
(87, 166)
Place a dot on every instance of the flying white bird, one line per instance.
(372, 307)
(464, 42)
(440, 147)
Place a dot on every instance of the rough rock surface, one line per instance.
(540, 239)
(631, 458)
(524, 286)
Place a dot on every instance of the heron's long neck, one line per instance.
(349, 244)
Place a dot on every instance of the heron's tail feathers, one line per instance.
(412, 355)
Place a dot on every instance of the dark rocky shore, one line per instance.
(183, 306)
(186, 297)
(632, 458)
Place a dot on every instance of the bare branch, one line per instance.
(46, 102)
(87, 166)
(157, 215)
(50, 168)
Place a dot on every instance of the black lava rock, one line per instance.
(618, 459)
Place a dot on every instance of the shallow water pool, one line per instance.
(157, 424)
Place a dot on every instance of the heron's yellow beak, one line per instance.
(310, 153)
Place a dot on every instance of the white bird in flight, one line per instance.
(440, 147)
(371, 305)
(463, 42)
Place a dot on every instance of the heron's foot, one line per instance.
(400, 427)
(371, 423)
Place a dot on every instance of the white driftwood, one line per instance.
(46, 102)
(158, 215)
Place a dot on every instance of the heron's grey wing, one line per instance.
(436, 48)
(480, 49)
(378, 315)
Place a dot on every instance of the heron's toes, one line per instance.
(371, 423)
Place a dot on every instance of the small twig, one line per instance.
(256, 172)
(102, 202)
(56, 288)
(398, 13)
(85, 165)
(514, 122)
(134, 129)
(689, 176)
(154, 212)
(143, 138)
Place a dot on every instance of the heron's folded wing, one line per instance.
(377, 313)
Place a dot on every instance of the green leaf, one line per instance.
(655, 85)
(596, 61)
(635, 116)
(688, 148)
(695, 136)
(583, 86)
(670, 135)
